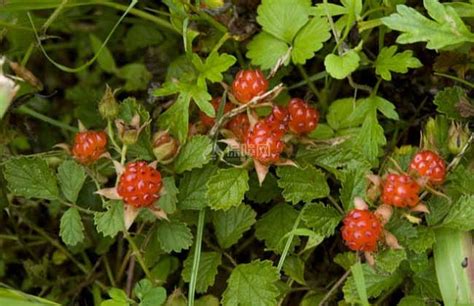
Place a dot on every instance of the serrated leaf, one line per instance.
(208, 264)
(230, 225)
(174, 236)
(149, 295)
(424, 240)
(71, 177)
(346, 259)
(274, 225)
(265, 193)
(71, 229)
(310, 39)
(448, 99)
(340, 67)
(388, 60)
(302, 184)
(105, 59)
(389, 260)
(136, 75)
(322, 219)
(194, 154)
(258, 50)
(110, 222)
(175, 118)
(193, 188)
(215, 65)
(445, 29)
(339, 112)
(252, 284)
(227, 187)
(294, 268)
(31, 178)
(353, 183)
(168, 200)
(202, 98)
(119, 298)
(461, 214)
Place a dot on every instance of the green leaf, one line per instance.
(168, 200)
(193, 188)
(202, 98)
(302, 184)
(389, 260)
(141, 36)
(136, 75)
(340, 67)
(265, 193)
(339, 113)
(215, 65)
(230, 225)
(31, 178)
(110, 222)
(359, 281)
(387, 61)
(424, 240)
(448, 99)
(445, 29)
(149, 295)
(258, 50)
(283, 19)
(106, 60)
(119, 298)
(294, 268)
(227, 187)
(206, 274)
(252, 284)
(274, 225)
(346, 259)
(71, 229)
(353, 183)
(322, 219)
(310, 39)
(371, 135)
(174, 236)
(412, 300)
(71, 177)
(194, 154)
(461, 214)
(207, 300)
(175, 118)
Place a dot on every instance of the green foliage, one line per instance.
(71, 177)
(174, 236)
(323, 219)
(302, 184)
(461, 214)
(193, 188)
(227, 187)
(168, 200)
(208, 264)
(448, 100)
(340, 66)
(149, 295)
(230, 225)
(389, 61)
(110, 222)
(71, 228)
(194, 154)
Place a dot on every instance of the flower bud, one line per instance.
(108, 106)
(458, 138)
(129, 132)
(165, 147)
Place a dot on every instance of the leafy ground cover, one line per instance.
(246, 153)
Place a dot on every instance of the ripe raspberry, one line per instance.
(361, 230)
(209, 121)
(139, 184)
(430, 165)
(249, 84)
(278, 119)
(263, 143)
(303, 117)
(88, 146)
(239, 125)
(400, 191)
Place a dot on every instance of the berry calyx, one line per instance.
(361, 230)
(400, 190)
(140, 184)
(88, 146)
(263, 143)
(278, 119)
(239, 126)
(303, 117)
(430, 165)
(249, 84)
(209, 121)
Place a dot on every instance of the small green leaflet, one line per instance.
(194, 154)
(252, 284)
(193, 188)
(213, 66)
(448, 100)
(71, 228)
(118, 298)
(446, 29)
(208, 264)
(302, 184)
(71, 177)
(31, 178)
(461, 214)
(175, 118)
(136, 76)
(389, 260)
(168, 200)
(341, 66)
(105, 59)
(227, 187)
(110, 222)
(149, 295)
(294, 268)
(389, 61)
(322, 219)
(174, 236)
(264, 193)
(231, 224)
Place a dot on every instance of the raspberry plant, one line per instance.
(236, 153)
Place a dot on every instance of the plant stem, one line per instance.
(312, 86)
(197, 257)
(288, 243)
(315, 77)
(30, 112)
(109, 271)
(334, 287)
(138, 256)
(455, 79)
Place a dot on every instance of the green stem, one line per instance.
(455, 79)
(197, 257)
(139, 257)
(312, 87)
(123, 154)
(288, 243)
(111, 133)
(32, 113)
(109, 271)
(315, 77)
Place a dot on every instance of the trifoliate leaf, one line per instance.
(340, 67)
(136, 75)
(310, 39)
(461, 214)
(174, 236)
(389, 260)
(445, 29)
(274, 225)
(252, 284)
(194, 154)
(294, 268)
(265, 193)
(208, 263)
(110, 222)
(175, 118)
(168, 200)
(71, 177)
(105, 59)
(258, 50)
(387, 61)
(302, 184)
(214, 65)
(149, 295)
(448, 99)
(230, 225)
(31, 178)
(322, 219)
(193, 188)
(71, 229)
(227, 187)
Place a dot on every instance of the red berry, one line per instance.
(140, 184)
(263, 143)
(303, 117)
(88, 146)
(361, 230)
(249, 84)
(430, 165)
(239, 125)
(209, 121)
(400, 191)
(278, 119)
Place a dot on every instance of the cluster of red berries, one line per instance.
(362, 229)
